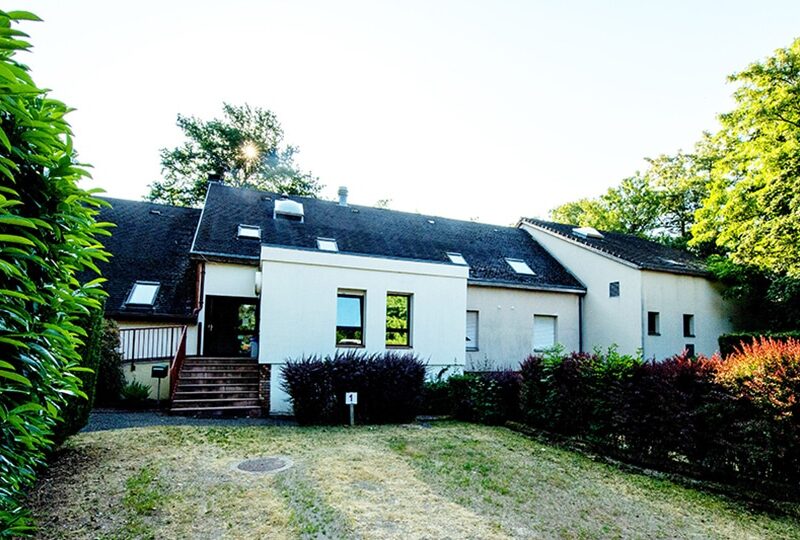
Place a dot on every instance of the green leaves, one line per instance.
(47, 238)
(242, 149)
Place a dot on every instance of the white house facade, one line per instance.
(227, 294)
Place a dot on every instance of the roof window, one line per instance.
(520, 267)
(143, 293)
(249, 231)
(457, 258)
(327, 244)
(587, 232)
(289, 210)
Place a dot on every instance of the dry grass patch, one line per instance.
(450, 481)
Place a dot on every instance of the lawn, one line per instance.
(449, 480)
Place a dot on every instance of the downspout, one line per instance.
(580, 322)
(199, 300)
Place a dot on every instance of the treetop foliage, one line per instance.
(243, 148)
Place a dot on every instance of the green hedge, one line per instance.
(47, 238)
(729, 343)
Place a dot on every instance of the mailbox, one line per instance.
(159, 371)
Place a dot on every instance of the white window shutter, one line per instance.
(472, 330)
(544, 332)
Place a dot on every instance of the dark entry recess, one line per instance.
(230, 326)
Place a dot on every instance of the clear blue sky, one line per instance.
(493, 109)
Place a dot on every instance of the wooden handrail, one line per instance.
(177, 363)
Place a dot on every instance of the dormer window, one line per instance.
(457, 258)
(289, 210)
(327, 244)
(249, 231)
(520, 267)
(143, 293)
(587, 232)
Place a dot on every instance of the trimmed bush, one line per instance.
(730, 343)
(389, 386)
(490, 397)
(110, 379)
(47, 239)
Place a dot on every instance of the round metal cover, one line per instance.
(269, 464)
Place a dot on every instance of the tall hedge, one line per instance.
(47, 237)
(730, 343)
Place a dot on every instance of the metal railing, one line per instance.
(176, 364)
(151, 343)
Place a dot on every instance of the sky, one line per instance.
(488, 110)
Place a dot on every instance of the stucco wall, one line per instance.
(672, 296)
(299, 298)
(505, 323)
(606, 320)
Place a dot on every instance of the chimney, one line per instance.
(343, 196)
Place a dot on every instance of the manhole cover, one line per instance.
(271, 464)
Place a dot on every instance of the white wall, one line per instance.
(672, 296)
(606, 321)
(505, 323)
(299, 297)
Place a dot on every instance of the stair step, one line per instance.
(218, 411)
(221, 359)
(221, 364)
(213, 403)
(236, 375)
(208, 395)
(222, 387)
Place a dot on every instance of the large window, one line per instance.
(143, 293)
(544, 332)
(472, 330)
(350, 319)
(398, 320)
(653, 323)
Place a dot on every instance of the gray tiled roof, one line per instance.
(150, 243)
(645, 254)
(376, 232)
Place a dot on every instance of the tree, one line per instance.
(243, 149)
(48, 237)
(752, 211)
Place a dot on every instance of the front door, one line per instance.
(231, 326)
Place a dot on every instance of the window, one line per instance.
(520, 266)
(327, 244)
(544, 332)
(653, 323)
(249, 231)
(350, 319)
(143, 293)
(398, 320)
(457, 258)
(472, 330)
(688, 325)
(690, 350)
(613, 289)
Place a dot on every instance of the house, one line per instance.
(640, 295)
(229, 293)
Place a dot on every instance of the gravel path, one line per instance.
(106, 419)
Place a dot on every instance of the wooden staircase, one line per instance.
(209, 386)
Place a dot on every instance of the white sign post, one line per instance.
(351, 398)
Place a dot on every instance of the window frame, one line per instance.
(688, 329)
(555, 332)
(156, 284)
(654, 329)
(456, 258)
(523, 267)
(613, 287)
(243, 228)
(476, 347)
(362, 297)
(409, 321)
(321, 240)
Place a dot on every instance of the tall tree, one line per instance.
(243, 148)
(752, 212)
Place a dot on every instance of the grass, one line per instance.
(451, 480)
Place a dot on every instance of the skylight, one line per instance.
(587, 232)
(143, 293)
(249, 231)
(520, 267)
(289, 210)
(327, 244)
(457, 258)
